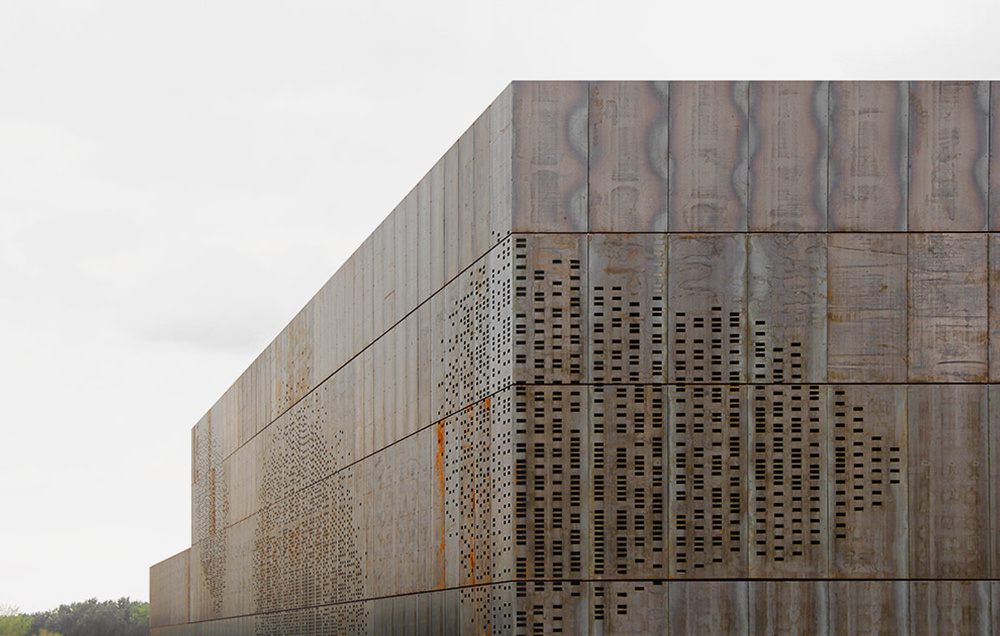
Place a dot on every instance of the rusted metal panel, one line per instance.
(452, 228)
(709, 607)
(500, 283)
(949, 491)
(502, 485)
(501, 113)
(628, 607)
(949, 147)
(628, 157)
(950, 607)
(994, 168)
(551, 534)
(787, 466)
(424, 353)
(292, 362)
(868, 156)
(550, 156)
(379, 288)
(869, 607)
(707, 487)
(479, 203)
(408, 371)
(994, 306)
(867, 427)
(948, 307)
(707, 300)
(438, 493)
(169, 582)
(380, 351)
(788, 164)
(787, 307)
(628, 307)
(550, 312)
(866, 337)
(709, 154)
(466, 211)
(553, 607)
(407, 251)
(366, 293)
(789, 607)
(627, 481)
(994, 472)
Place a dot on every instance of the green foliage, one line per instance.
(12, 622)
(123, 617)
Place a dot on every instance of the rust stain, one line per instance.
(439, 469)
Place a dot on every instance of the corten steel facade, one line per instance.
(680, 357)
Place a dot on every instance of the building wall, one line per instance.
(705, 357)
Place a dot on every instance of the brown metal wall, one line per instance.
(635, 357)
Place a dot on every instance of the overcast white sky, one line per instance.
(178, 178)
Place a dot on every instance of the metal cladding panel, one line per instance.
(425, 353)
(626, 483)
(628, 157)
(994, 488)
(948, 307)
(787, 307)
(550, 312)
(382, 512)
(709, 607)
(789, 607)
(867, 326)
(383, 276)
(292, 363)
(707, 481)
(479, 211)
(787, 465)
(380, 350)
(867, 428)
(440, 498)
(408, 371)
(994, 307)
(552, 607)
(407, 253)
(950, 607)
(476, 609)
(500, 372)
(550, 156)
(169, 582)
(501, 114)
(788, 149)
(707, 299)
(868, 156)
(628, 307)
(367, 293)
(551, 533)
(949, 147)
(949, 488)
(709, 154)
(502, 485)
(869, 607)
(430, 232)
(628, 607)
(452, 228)
(994, 169)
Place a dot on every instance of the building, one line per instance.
(634, 357)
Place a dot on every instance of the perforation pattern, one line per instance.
(210, 511)
(502, 487)
(557, 607)
(627, 479)
(708, 348)
(707, 485)
(549, 306)
(550, 428)
(788, 459)
(866, 467)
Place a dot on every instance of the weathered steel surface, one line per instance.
(708, 607)
(707, 301)
(627, 481)
(787, 307)
(868, 156)
(869, 607)
(707, 485)
(550, 308)
(994, 307)
(628, 307)
(452, 225)
(501, 114)
(550, 157)
(948, 307)
(949, 147)
(994, 476)
(629, 607)
(950, 607)
(169, 581)
(788, 149)
(557, 607)
(867, 325)
(709, 154)
(867, 427)
(949, 488)
(787, 466)
(628, 157)
(789, 607)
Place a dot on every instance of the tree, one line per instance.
(123, 617)
(12, 622)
